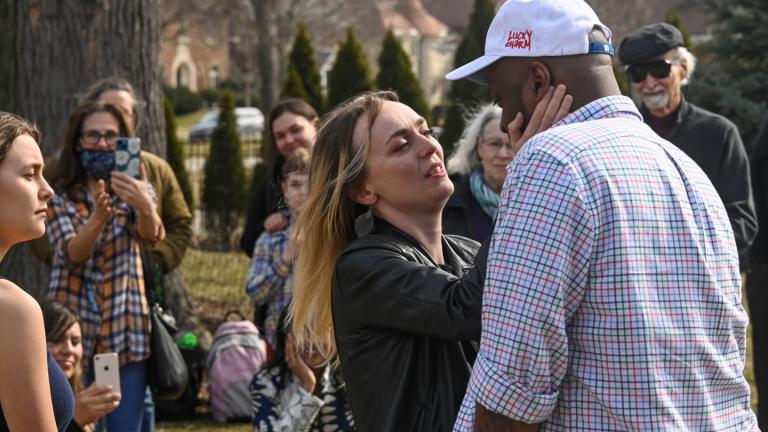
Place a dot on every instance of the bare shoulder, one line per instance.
(16, 306)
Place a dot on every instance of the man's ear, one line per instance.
(539, 79)
(363, 195)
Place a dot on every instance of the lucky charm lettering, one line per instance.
(520, 39)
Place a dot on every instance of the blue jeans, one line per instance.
(129, 415)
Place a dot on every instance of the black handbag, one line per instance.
(167, 372)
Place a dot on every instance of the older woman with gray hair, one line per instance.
(478, 169)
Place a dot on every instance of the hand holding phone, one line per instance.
(107, 370)
(128, 156)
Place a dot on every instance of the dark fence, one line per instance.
(215, 273)
(196, 154)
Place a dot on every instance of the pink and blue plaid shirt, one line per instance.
(613, 298)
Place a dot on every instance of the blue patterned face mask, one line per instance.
(98, 164)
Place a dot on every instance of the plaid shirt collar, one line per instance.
(605, 107)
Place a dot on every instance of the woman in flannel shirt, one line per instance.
(98, 219)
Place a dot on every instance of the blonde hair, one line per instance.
(327, 222)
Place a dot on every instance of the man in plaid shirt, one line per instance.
(612, 300)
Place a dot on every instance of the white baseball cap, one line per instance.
(536, 28)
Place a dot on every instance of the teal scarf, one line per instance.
(485, 196)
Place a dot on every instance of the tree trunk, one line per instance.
(50, 52)
(265, 15)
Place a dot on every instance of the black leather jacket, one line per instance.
(399, 320)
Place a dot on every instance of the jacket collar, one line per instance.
(382, 227)
(367, 223)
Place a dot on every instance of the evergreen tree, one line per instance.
(350, 73)
(396, 73)
(224, 185)
(674, 18)
(293, 87)
(302, 59)
(732, 78)
(175, 152)
(464, 94)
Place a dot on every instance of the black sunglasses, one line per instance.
(657, 69)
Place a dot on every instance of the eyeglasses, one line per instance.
(657, 69)
(93, 137)
(497, 144)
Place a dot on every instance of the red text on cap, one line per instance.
(519, 40)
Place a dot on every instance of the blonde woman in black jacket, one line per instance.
(398, 302)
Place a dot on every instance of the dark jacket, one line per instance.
(463, 215)
(714, 143)
(265, 200)
(399, 319)
(758, 253)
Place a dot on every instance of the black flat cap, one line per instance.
(649, 41)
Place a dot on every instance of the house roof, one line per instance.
(454, 13)
(409, 14)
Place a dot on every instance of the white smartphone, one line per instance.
(107, 370)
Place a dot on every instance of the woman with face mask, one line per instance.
(34, 394)
(98, 219)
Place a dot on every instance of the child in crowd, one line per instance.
(65, 340)
(295, 392)
(270, 277)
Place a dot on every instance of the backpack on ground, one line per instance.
(236, 354)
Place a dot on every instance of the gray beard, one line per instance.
(654, 102)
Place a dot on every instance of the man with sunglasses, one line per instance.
(658, 66)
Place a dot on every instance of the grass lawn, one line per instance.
(218, 276)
